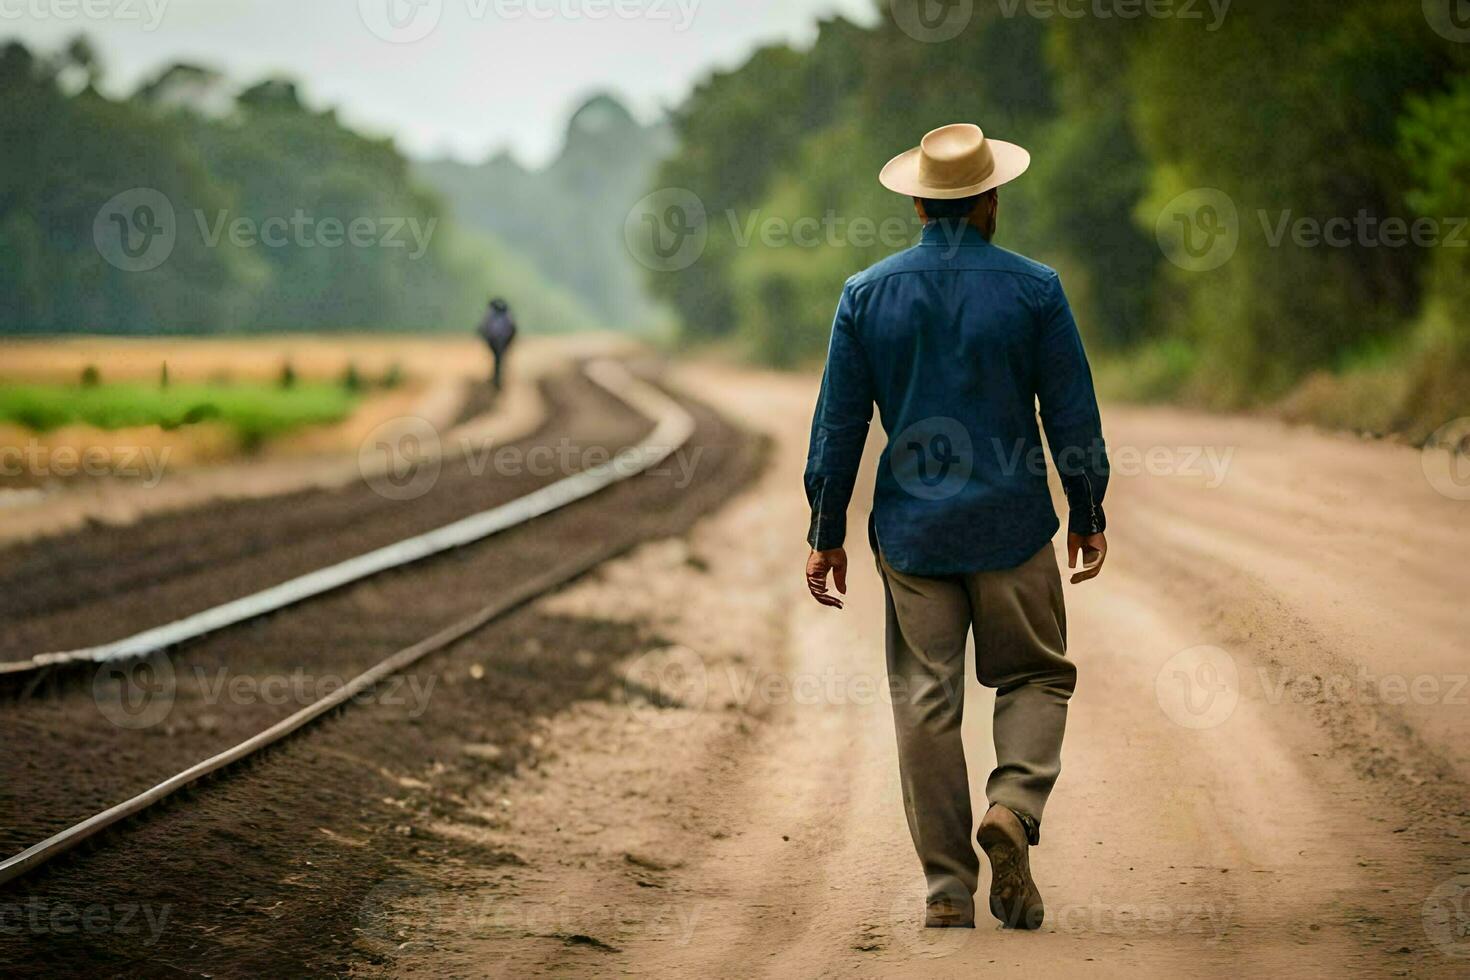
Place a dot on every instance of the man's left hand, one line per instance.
(817, 567)
(1094, 550)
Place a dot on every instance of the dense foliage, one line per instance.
(281, 217)
(1354, 110)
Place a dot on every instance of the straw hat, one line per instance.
(954, 161)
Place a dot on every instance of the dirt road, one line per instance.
(680, 765)
(1266, 770)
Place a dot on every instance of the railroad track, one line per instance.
(673, 427)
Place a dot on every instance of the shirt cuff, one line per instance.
(826, 535)
(1087, 520)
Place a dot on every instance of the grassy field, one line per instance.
(226, 400)
(255, 411)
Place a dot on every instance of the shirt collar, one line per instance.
(945, 232)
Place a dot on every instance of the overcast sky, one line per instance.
(485, 74)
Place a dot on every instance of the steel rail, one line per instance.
(673, 428)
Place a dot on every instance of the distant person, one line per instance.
(956, 340)
(498, 330)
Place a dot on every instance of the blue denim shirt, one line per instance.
(957, 340)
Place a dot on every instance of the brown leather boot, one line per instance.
(949, 913)
(1014, 899)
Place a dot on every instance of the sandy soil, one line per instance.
(1266, 770)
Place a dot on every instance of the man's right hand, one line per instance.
(818, 566)
(1094, 550)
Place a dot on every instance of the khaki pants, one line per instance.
(1020, 629)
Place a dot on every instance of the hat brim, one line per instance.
(901, 175)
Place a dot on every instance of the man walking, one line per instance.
(957, 340)
(498, 330)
